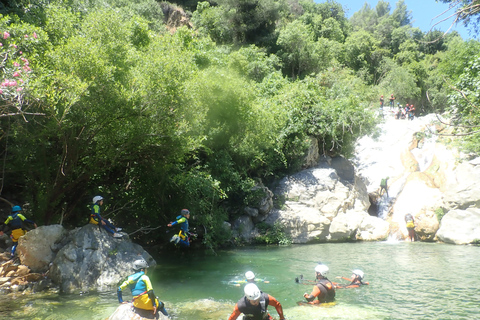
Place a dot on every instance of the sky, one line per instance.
(423, 11)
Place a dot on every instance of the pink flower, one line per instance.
(1, 91)
(35, 35)
(19, 89)
(16, 74)
(16, 64)
(1, 44)
(26, 36)
(20, 52)
(6, 35)
(13, 83)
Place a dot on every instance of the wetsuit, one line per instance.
(392, 100)
(142, 291)
(324, 291)
(15, 222)
(96, 218)
(183, 234)
(410, 225)
(256, 312)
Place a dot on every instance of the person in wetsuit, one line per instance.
(410, 227)
(182, 237)
(16, 222)
(254, 305)
(249, 278)
(324, 290)
(355, 281)
(96, 218)
(144, 299)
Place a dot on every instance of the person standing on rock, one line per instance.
(410, 227)
(384, 186)
(392, 101)
(144, 299)
(254, 305)
(182, 237)
(96, 218)
(16, 222)
(324, 290)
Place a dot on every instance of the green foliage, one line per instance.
(439, 213)
(272, 234)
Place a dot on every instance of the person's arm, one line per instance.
(235, 314)
(122, 287)
(274, 302)
(182, 219)
(310, 297)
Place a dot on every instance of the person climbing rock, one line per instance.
(381, 102)
(144, 299)
(96, 218)
(324, 289)
(254, 305)
(410, 227)
(16, 222)
(384, 186)
(182, 238)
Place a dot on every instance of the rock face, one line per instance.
(94, 260)
(326, 203)
(125, 312)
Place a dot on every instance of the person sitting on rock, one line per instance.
(324, 289)
(254, 305)
(410, 227)
(182, 237)
(16, 222)
(144, 299)
(96, 218)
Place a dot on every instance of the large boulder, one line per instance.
(462, 190)
(38, 247)
(345, 225)
(94, 260)
(373, 229)
(125, 312)
(460, 226)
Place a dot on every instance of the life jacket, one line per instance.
(328, 290)
(94, 214)
(15, 221)
(251, 312)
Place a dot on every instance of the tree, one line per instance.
(466, 11)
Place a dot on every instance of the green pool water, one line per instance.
(407, 281)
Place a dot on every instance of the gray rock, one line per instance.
(460, 226)
(36, 248)
(125, 312)
(94, 260)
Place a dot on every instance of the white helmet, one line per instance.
(140, 264)
(359, 273)
(322, 269)
(97, 198)
(249, 275)
(252, 292)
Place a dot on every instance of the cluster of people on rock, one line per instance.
(407, 112)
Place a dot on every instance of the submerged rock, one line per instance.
(125, 312)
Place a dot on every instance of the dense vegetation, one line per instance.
(105, 97)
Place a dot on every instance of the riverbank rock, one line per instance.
(16, 277)
(94, 260)
(326, 203)
(125, 312)
(460, 227)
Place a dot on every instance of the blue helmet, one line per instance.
(16, 209)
